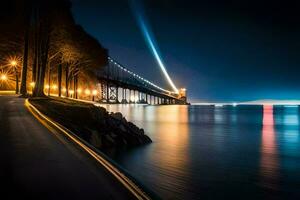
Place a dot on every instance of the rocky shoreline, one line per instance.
(108, 132)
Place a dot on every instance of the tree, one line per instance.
(27, 17)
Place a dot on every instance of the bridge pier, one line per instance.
(124, 99)
(139, 96)
(130, 97)
(134, 96)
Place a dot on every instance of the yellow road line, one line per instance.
(129, 184)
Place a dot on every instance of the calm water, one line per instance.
(205, 152)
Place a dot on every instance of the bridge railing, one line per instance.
(116, 72)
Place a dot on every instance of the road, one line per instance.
(39, 164)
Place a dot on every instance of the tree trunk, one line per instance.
(75, 89)
(35, 46)
(44, 40)
(25, 54)
(59, 76)
(76, 86)
(67, 80)
(17, 80)
(35, 57)
(49, 78)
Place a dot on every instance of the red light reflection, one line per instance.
(269, 159)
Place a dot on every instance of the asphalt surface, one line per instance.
(39, 164)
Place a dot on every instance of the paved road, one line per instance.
(35, 163)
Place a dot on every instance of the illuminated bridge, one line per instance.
(120, 85)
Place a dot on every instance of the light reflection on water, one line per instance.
(205, 152)
(269, 152)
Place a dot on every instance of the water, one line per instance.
(206, 152)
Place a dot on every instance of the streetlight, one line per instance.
(32, 84)
(14, 64)
(94, 94)
(3, 77)
(87, 92)
(78, 92)
(54, 87)
(71, 93)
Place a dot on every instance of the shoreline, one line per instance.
(124, 177)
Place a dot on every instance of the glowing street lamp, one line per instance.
(64, 91)
(94, 94)
(3, 77)
(87, 92)
(71, 93)
(14, 64)
(32, 84)
(54, 87)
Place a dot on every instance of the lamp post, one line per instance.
(14, 65)
(87, 92)
(71, 93)
(32, 84)
(78, 93)
(94, 94)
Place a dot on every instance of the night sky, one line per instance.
(219, 50)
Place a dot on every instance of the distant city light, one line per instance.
(234, 104)
(218, 105)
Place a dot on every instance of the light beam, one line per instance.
(148, 36)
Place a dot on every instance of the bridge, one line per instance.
(120, 85)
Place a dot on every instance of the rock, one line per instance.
(117, 115)
(122, 127)
(109, 139)
(96, 139)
